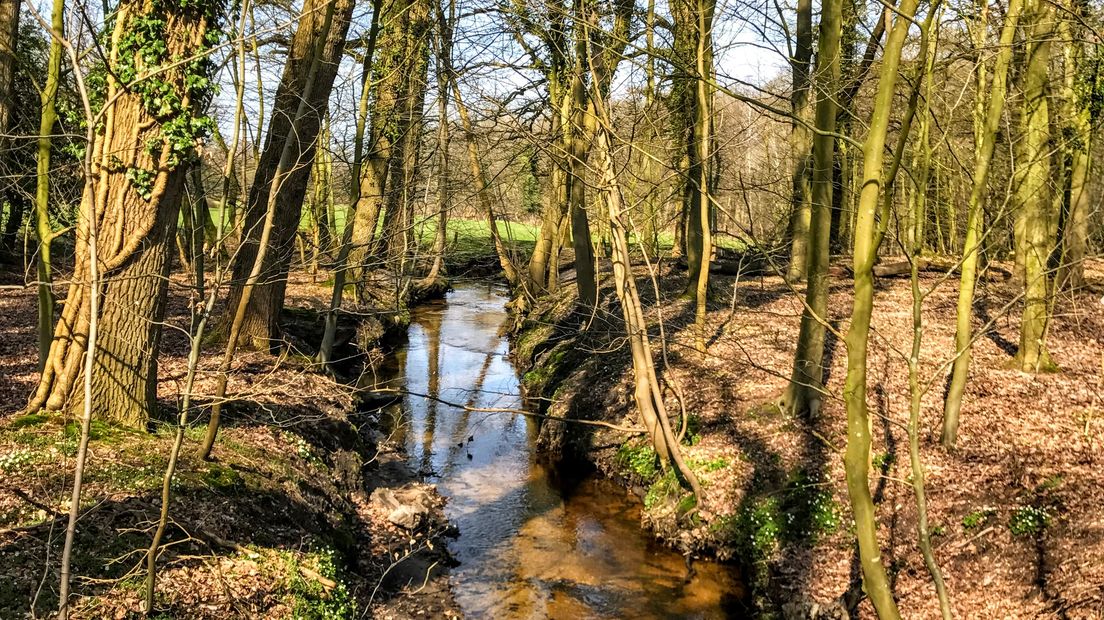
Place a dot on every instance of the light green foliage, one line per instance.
(638, 459)
(978, 518)
(310, 599)
(709, 466)
(664, 488)
(800, 513)
(1028, 520)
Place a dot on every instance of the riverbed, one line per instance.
(531, 544)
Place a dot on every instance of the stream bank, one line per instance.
(1014, 510)
(289, 520)
(533, 540)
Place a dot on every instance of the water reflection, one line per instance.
(528, 547)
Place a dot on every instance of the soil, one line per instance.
(1015, 509)
(279, 525)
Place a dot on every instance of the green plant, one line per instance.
(665, 487)
(760, 527)
(220, 477)
(313, 600)
(31, 419)
(883, 461)
(640, 460)
(15, 460)
(693, 430)
(978, 518)
(709, 466)
(1028, 520)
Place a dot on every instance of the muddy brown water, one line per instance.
(531, 544)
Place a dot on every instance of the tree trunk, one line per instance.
(398, 218)
(352, 224)
(1078, 120)
(704, 147)
(393, 61)
(444, 56)
(577, 146)
(647, 394)
(801, 140)
(42, 189)
(1031, 180)
(803, 395)
(261, 327)
(971, 250)
(134, 194)
(857, 456)
(482, 187)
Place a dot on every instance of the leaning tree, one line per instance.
(155, 90)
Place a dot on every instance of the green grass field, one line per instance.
(469, 238)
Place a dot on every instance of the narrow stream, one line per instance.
(530, 546)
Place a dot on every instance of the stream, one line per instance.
(531, 544)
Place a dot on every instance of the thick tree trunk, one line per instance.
(134, 194)
(399, 65)
(1031, 179)
(261, 327)
(398, 219)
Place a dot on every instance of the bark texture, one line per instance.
(134, 193)
(261, 327)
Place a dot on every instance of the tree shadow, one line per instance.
(981, 309)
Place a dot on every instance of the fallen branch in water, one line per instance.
(532, 414)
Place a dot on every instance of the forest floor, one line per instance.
(1015, 510)
(283, 523)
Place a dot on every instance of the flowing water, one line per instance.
(530, 545)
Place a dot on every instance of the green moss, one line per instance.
(98, 430)
(686, 504)
(31, 419)
(221, 477)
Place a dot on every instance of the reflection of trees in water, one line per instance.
(576, 549)
(431, 327)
